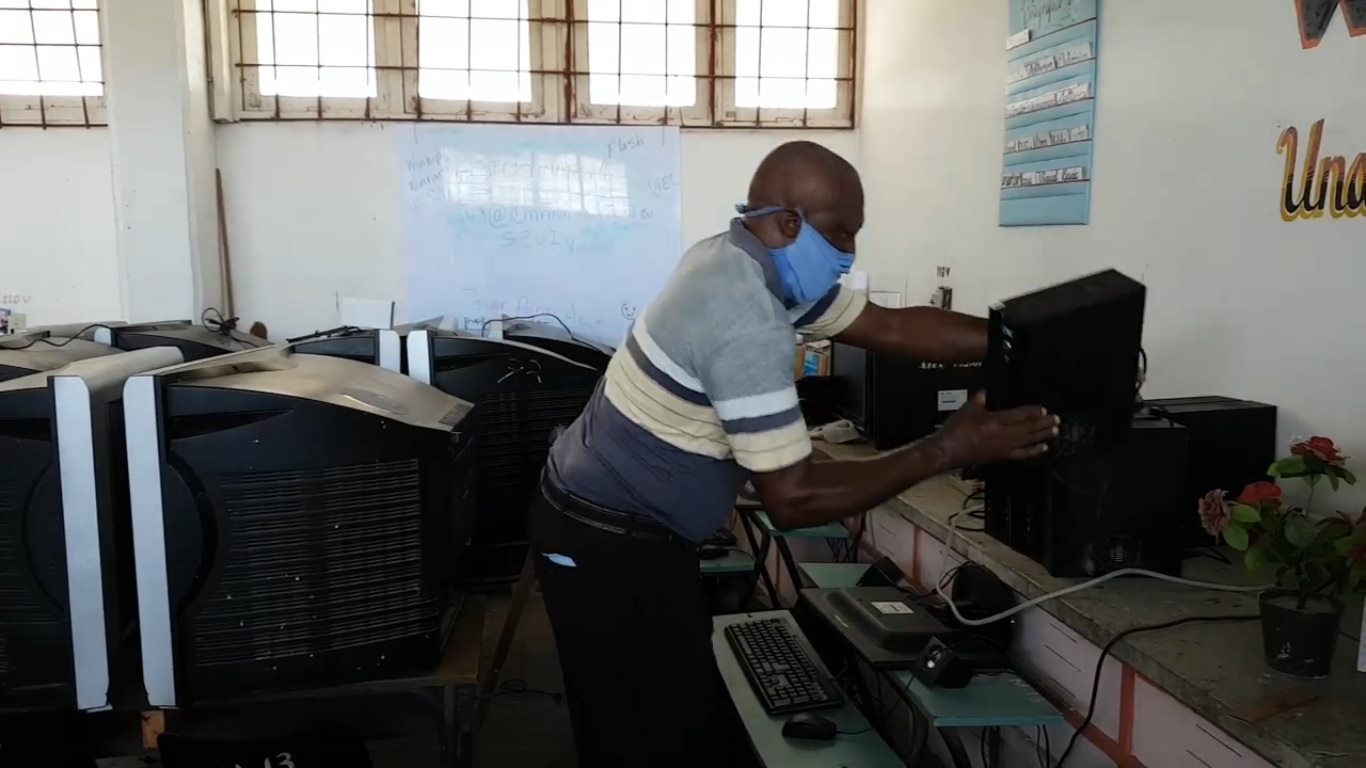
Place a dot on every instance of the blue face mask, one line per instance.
(810, 266)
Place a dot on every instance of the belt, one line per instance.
(629, 524)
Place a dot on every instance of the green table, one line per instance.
(833, 575)
(735, 561)
(865, 750)
(753, 517)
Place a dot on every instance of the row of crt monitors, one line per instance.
(279, 517)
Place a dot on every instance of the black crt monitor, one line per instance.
(1073, 349)
(66, 587)
(895, 401)
(382, 347)
(195, 342)
(555, 338)
(523, 393)
(39, 351)
(298, 521)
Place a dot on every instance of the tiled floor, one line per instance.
(525, 730)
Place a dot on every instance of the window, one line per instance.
(50, 67)
(723, 63)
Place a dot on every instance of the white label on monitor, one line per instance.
(892, 607)
(952, 399)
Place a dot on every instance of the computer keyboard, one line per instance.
(779, 668)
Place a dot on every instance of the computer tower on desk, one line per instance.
(523, 393)
(1073, 349)
(1232, 443)
(895, 401)
(298, 521)
(66, 600)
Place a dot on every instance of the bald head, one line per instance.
(811, 182)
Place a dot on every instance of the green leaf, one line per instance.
(1312, 480)
(1342, 546)
(1347, 476)
(1313, 463)
(1299, 531)
(1333, 480)
(1246, 514)
(1292, 466)
(1236, 537)
(1255, 558)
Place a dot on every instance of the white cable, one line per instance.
(939, 586)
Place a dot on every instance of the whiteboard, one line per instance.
(582, 222)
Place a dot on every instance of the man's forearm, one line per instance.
(920, 333)
(820, 492)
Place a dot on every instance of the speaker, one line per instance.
(938, 666)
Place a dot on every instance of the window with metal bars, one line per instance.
(701, 63)
(51, 72)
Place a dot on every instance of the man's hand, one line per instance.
(975, 435)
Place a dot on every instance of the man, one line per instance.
(699, 399)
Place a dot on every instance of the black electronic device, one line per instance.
(711, 552)
(1096, 512)
(810, 727)
(553, 337)
(894, 401)
(523, 393)
(1073, 349)
(299, 520)
(195, 342)
(66, 599)
(780, 667)
(939, 666)
(1232, 442)
(32, 352)
(375, 346)
(883, 624)
(722, 537)
(883, 573)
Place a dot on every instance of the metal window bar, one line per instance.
(570, 74)
(44, 108)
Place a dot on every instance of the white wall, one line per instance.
(57, 247)
(1192, 97)
(313, 210)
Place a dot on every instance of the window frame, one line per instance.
(46, 111)
(559, 35)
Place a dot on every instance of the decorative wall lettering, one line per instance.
(1327, 185)
(1316, 15)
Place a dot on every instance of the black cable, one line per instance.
(485, 329)
(982, 748)
(517, 686)
(855, 733)
(338, 331)
(45, 340)
(1105, 652)
(218, 323)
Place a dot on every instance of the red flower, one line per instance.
(1320, 447)
(1214, 513)
(1257, 493)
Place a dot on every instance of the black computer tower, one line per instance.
(1232, 443)
(895, 401)
(1090, 513)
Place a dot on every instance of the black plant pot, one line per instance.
(1299, 643)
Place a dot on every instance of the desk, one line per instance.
(866, 750)
(753, 517)
(1194, 680)
(735, 561)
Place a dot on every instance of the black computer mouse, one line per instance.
(805, 725)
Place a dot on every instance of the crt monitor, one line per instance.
(195, 342)
(558, 339)
(894, 401)
(523, 393)
(38, 351)
(382, 347)
(65, 567)
(298, 521)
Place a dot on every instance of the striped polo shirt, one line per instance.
(701, 394)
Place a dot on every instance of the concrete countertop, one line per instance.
(1215, 669)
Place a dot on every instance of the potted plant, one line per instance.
(1316, 558)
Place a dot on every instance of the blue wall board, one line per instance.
(1049, 112)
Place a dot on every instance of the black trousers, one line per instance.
(633, 634)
